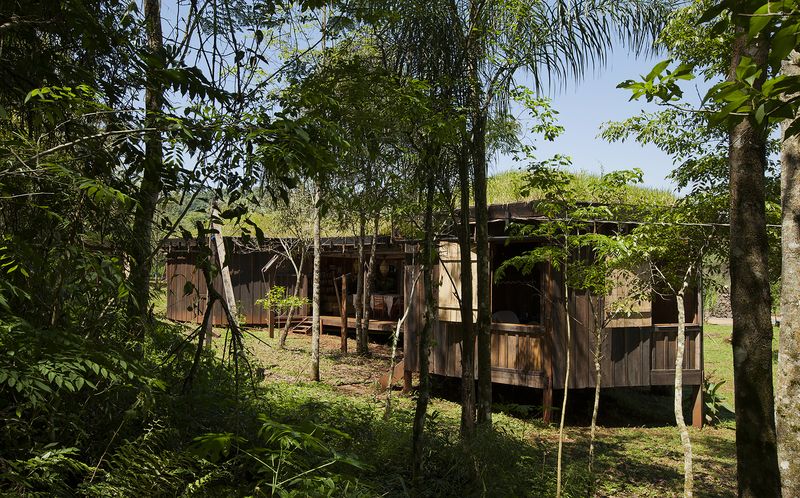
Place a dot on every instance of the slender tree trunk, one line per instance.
(484, 324)
(467, 332)
(315, 288)
(363, 346)
(566, 378)
(298, 281)
(787, 397)
(756, 445)
(395, 338)
(150, 187)
(359, 304)
(688, 476)
(597, 356)
(424, 341)
(476, 52)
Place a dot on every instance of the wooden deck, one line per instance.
(387, 326)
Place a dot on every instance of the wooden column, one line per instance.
(271, 321)
(343, 309)
(697, 407)
(209, 326)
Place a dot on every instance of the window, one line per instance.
(517, 297)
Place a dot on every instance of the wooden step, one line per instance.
(397, 375)
(304, 327)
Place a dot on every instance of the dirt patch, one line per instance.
(348, 373)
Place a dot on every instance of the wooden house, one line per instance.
(528, 328)
(254, 269)
(528, 333)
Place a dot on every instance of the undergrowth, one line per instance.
(131, 432)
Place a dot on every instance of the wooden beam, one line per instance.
(547, 352)
(227, 285)
(547, 402)
(667, 377)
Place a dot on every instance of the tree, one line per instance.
(661, 240)
(787, 393)
(315, 314)
(295, 230)
(151, 185)
(744, 104)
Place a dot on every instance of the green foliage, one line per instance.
(585, 239)
(279, 301)
(50, 470)
(753, 92)
(713, 401)
(287, 460)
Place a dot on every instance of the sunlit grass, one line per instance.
(508, 186)
(718, 357)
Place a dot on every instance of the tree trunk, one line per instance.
(566, 379)
(315, 288)
(756, 445)
(150, 187)
(484, 324)
(688, 477)
(424, 342)
(598, 377)
(363, 345)
(467, 333)
(483, 329)
(359, 304)
(787, 397)
(297, 283)
(395, 338)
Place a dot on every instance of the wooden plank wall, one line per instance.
(450, 282)
(664, 351)
(634, 352)
(249, 285)
(582, 373)
(628, 353)
(640, 310)
(517, 357)
(183, 307)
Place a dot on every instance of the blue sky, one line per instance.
(584, 106)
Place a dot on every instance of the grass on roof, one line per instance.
(502, 188)
(506, 188)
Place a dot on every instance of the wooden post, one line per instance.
(227, 285)
(547, 401)
(271, 321)
(697, 407)
(344, 313)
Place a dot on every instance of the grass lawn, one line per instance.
(639, 451)
(719, 358)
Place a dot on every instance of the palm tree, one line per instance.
(474, 52)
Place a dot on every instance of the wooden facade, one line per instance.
(528, 334)
(255, 271)
(252, 275)
(638, 349)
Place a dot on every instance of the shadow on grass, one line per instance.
(619, 407)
